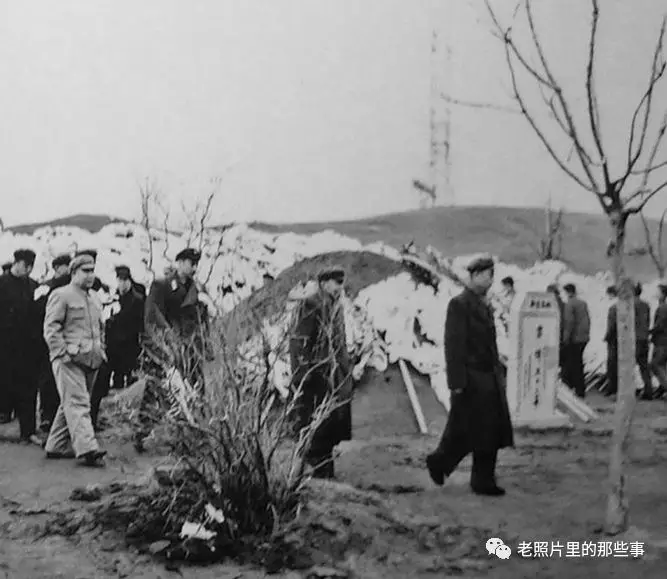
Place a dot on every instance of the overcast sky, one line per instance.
(307, 109)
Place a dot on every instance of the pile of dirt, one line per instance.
(339, 530)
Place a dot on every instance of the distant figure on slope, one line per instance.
(19, 345)
(321, 368)
(176, 324)
(576, 335)
(479, 418)
(642, 324)
(74, 332)
(659, 339)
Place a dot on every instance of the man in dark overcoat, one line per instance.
(479, 419)
(176, 325)
(321, 367)
(49, 399)
(123, 332)
(20, 341)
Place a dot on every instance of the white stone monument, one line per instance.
(532, 369)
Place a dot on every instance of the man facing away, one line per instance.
(479, 419)
(74, 333)
(19, 345)
(659, 339)
(174, 320)
(642, 324)
(321, 368)
(576, 335)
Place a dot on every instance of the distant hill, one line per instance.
(92, 223)
(513, 234)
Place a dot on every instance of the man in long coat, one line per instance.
(74, 332)
(176, 325)
(20, 339)
(48, 392)
(479, 419)
(659, 340)
(321, 366)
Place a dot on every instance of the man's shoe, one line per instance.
(434, 470)
(60, 455)
(94, 458)
(34, 440)
(489, 491)
(646, 396)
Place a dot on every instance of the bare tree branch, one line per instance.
(655, 250)
(593, 106)
(657, 71)
(645, 197)
(479, 105)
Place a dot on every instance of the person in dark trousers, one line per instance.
(49, 398)
(576, 335)
(553, 289)
(659, 340)
(123, 331)
(642, 325)
(610, 340)
(479, 418)
(321, 368)
(176, 328)
(20, 344)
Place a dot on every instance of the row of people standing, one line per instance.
(645, 335)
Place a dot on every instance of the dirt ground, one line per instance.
(384, 516)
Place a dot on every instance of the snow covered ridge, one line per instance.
(396, 318)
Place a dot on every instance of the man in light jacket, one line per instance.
(74, 333)
(576, 335)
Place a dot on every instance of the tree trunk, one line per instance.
(617, 503)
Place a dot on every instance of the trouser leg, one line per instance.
(24, 398)
(49, 400)
(612, 369)
(641, 357)
(483, 473)
(578, 379)
(74, 386)
(659, 365)
(451, 450)
(100, 389)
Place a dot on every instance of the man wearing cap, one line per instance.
(19, 343)
(576, 335)
(74, 333)
(321, 368)
(479, 419)
(98, 284)
(123, 332)
(176, 326)
(48, 391)
(6, 267)
(659, 340)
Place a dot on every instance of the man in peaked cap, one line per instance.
(479, 418)
(176, 326)
(576, 335)
(321, 367)
(6, 267)
(98, 284)
(74, 332)
(19, 344)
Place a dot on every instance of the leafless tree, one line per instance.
(581, 153)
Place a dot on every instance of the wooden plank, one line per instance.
(573, 408)
(412, 394)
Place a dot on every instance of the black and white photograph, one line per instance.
(358, 289)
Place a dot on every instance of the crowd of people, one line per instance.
(62, 347)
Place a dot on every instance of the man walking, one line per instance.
(576, 335)
(19, 345)
(176, 325)
(659, 339)
(479, 419)
(74, 333)
(321, 368)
